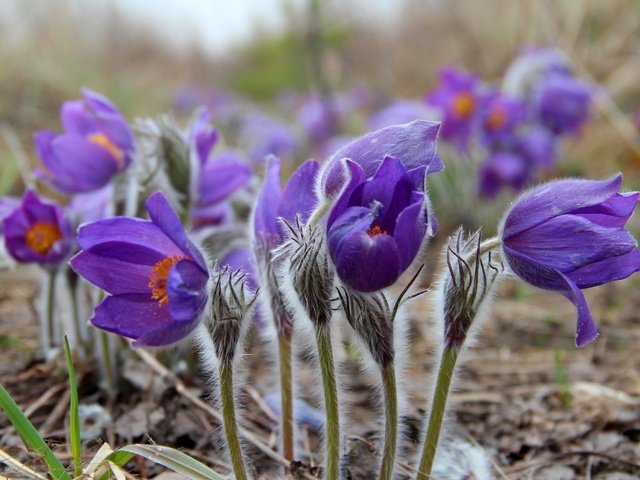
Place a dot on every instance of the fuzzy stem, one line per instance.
(105, 359)
(284, 347)
(490, 244)
(317, 215)
(329, 386)
(49, 309)
(391, 421)
(75, 313)
(229, 421)
(445, 374)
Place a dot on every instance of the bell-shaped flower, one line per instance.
(155, 275)
(568, 235)
(377, 226)
(37, 231)
(96, 145)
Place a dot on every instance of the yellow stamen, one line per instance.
(42, 236)
(497, 118)
(158, 278)
(376, 230)
(103, 141)
(463, 105)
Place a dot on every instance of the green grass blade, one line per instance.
(74, 418)
(30, 435)
(173, 459)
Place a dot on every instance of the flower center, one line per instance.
(497, 118)
(103, 141)
(158, 278)
(463, 105)
(42, 236)
(376, 230)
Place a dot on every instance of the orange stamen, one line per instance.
(42, 236)
(103, 141)
(463, 105)
(158, 278)
(376, 230)
(497, 118)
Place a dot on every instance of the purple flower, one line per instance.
(568, 235)
(265, 136)
(397, 112)
(502, 169)
(377, 226)
(318, 117)
(156, 276)
(460, 100)
(526, 71)
(96, 145)
(563, 103)
(37, 231)
(501, 116)
(274, 203)
(242, 259)
(7, 206)
(538, 146)
(413, 143)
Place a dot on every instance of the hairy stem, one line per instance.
(390, 390)
(438, 407)
(330, 389)
(286, 392)
(75, 312)
(105, 360)
(229, 420)
(318, 213)
(49, 342)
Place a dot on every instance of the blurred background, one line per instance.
(149, 56)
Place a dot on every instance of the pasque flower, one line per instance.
(501, 116)
(156, 276)
(563, 103)
(96, 144)
(377, 226)
(568, 235)
(37, 231)
(460, 100)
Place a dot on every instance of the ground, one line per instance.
(540, 407)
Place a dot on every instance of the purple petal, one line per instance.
(607, 270)
(567, 242)
(220, 177)
(266, 208)
(146, 242)
(413, 143)
(186, 289)
(614, 212)
(242, 259)
(356, 177)
(76, 119)
(586, 330)
(365, 263)
(113, 275)
(98, 102)
(131, 315)
(409, 233)
(204, 136)
(165, 217)
(556, 198)
(298, 196)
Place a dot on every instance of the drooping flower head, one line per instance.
(155, 275)
(459, 99)
(568, 235)
(377, 226)
(37, 231)
(96, 145)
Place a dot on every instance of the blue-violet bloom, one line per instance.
(156, 276)
(568, 235)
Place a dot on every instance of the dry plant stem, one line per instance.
(286, 392)
(227, 403)
(330, 389)
(438, 407)
(390, 390)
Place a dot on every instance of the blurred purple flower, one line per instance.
(501, 117)
(532, 65)
(242, 259)
(563, 103)
(303, 413)
(377, 226)
(459, 99)
(502, 169)
(156, 276)
(538, 147)
(7, 206)
(319, 117)
(96, 145)
(568, 235)
(92, 206)
(37, 231)
(413, 143)
(397, 112)
(264, 135)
